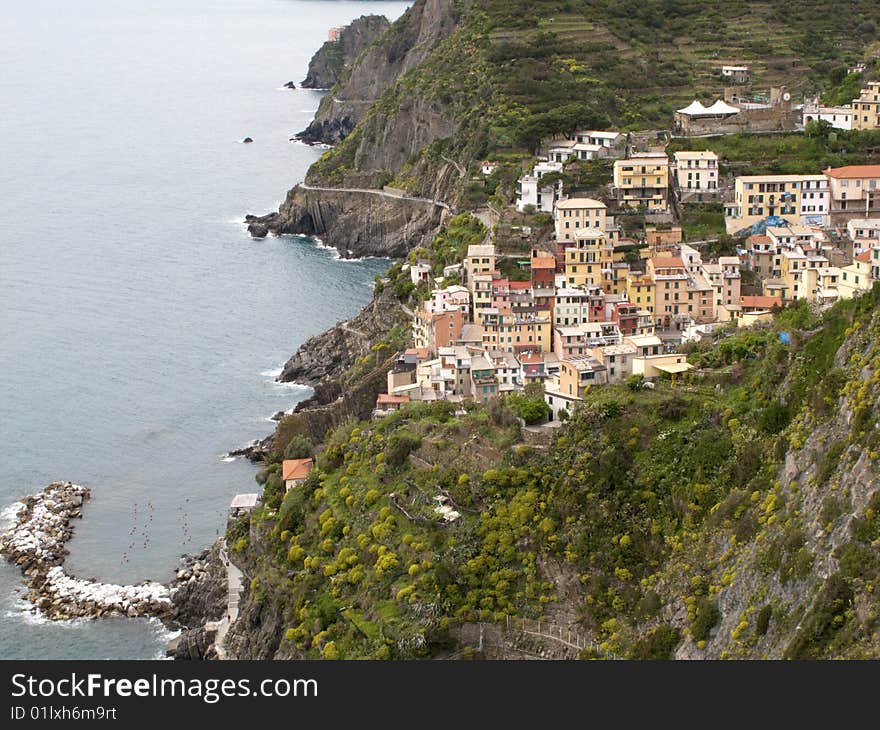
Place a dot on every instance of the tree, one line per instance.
(532, 409)
(818, 129)
(299, 447)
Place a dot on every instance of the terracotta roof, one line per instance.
(296, 468)
(864, 257)
(421, 353)
(761, 302)
(520, 285)
(760, 239)
(667, 262)
(853, 171)
(544, 262)
(388, 398)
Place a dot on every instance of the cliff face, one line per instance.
(331, 354)
(334, 58)
(356, 223)
(406, 44)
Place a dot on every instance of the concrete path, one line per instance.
(233, 582)
(380, 193)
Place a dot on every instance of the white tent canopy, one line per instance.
(693, 109)
(721, 107)
(696, 109)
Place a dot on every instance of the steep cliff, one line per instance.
(409, 41)
(332, 60)
(332, 354)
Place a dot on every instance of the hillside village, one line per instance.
(596, 302)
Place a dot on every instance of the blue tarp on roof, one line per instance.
(761, 227)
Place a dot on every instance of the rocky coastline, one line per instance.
(357, 223)
(335, 57)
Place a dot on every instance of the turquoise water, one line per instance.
(140, 327)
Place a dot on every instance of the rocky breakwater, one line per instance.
(37, 544)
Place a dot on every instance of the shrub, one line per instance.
(531, 409)
(401, 444)
(705, 619)
(299, 447)
(658, 644)
(635, 382)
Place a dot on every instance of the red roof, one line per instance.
(389, 399)
(853, 171)
(760, 302)
(543, 262)
(520, 285)
(296, 468)
(759, 239)
(667, 262)
(421, 353)
(864, 257)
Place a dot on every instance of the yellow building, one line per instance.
(480, 259)
(517, 332)
(577, 214)
(640, 291)
(866, 109)
(856, 278)
(578, 373)
(796, 267)
(792, 197)
(643, 180)
(589, 259)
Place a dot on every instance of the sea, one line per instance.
(141, 328)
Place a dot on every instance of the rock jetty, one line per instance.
(37, 544)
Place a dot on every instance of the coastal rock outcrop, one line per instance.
(198, 594)
(330, 354)
(335, 57)
(198, 590)
(403, 46)
(355, 223)
(37, 544)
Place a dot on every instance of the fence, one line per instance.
(557, 633)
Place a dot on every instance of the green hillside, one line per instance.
(515, 72)
(698, 517)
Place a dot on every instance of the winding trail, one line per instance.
(233, 582)
(380, 193)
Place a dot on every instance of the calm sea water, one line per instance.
(140, 327)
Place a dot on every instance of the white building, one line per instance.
(572, 307)
(864, 233)
(608, 140)
(839, 117)
(531, 192)
(696, 174)
(740, 74)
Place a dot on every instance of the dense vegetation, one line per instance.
(793, 153)
(653, 503)
(514, 73)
